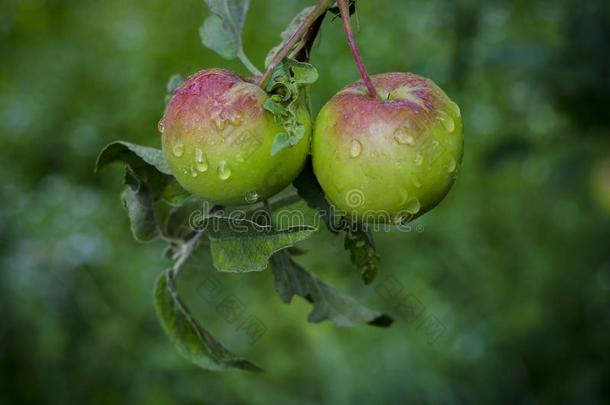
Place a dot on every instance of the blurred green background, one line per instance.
(514, 265)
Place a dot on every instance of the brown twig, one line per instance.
(311, 21)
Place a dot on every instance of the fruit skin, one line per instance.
(217, 139)
(388, 159)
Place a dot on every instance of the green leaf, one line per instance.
(135, 156)
(138, 202)
(359, 242)
(310, 190)
(179, 222)
(288, 32)
(328, 303)
(190, 339)
(240, 245)
(302, 73)
(146, 177)
(174, 194)
(222, 31)
(280, 142)
(288, 89)
(275, 107)
(216, 36)
(149, 187)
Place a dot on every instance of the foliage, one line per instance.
(222, 30)
(236, 245)
(288, 93)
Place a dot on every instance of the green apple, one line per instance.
(217, 138)
(390, 158)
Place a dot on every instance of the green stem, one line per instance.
(344, 8)
(318, 11)
(185, 252)
(248, 64)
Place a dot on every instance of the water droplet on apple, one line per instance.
(455, 109)
(251, 197)
(456, 171)
(355, 149)
(178, 149)
(193, 171)
(201, 162)
(402, 136)
(416, 182)
(419, 158)
(413, 206)
(224, 170)
(447, 121)
(451, 165)
(161, 126)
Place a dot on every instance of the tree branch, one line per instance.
(309, 23)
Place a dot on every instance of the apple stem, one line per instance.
(343, 7)
(311, 18)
